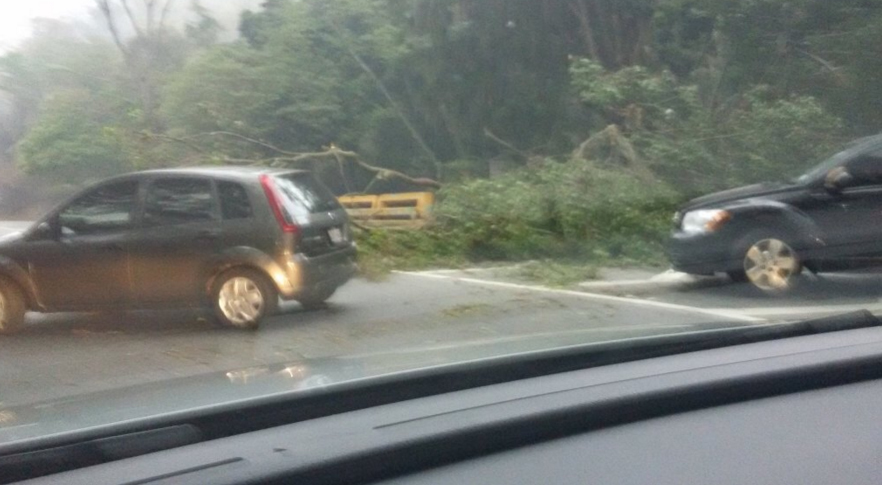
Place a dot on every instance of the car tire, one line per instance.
(771, 264)
(316, 300)
(738, 276)
(12, 307)
(242, 297)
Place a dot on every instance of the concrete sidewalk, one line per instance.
(620, 282)
(609, 281)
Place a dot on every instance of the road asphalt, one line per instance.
(67, 354)
(61, 355)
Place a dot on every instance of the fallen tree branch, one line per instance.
(383, 173)
(835, 71)
(288, 158)
(489, 134)
(381, 86)
(237, 136)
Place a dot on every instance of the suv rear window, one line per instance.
(302, 195)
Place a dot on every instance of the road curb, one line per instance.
(666, 282)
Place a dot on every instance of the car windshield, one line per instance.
(206, 202)
(854, 148)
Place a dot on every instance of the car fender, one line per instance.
(779, 216)
(12, 271)
(243, 256)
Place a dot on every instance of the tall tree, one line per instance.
(150, 53)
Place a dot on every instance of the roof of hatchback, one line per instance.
(224, 171)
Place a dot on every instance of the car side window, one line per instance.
(105, 209)
(866, 169)
(234, 201)
(178, 201)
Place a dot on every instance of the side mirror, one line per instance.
(44, 231)
(838, 179)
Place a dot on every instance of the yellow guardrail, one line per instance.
(410, 210)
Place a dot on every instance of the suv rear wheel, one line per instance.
(12, 307)
(243, 297)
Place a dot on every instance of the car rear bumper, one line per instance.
(701, 253)
(309, 274)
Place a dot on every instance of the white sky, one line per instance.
(16, 16)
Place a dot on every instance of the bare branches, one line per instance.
(163, 17)
(241, 138)
(287, 158)
(823, 62)
(104, 7)
(156, 17)
(383, 173)
(150, 7)
(489, 134)
(132, 18)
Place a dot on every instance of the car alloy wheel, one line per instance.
(241, 301)
(772, 265)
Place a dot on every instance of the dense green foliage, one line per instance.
(426, 86)
(558, 209)
(75, 136)
(674, 98)
(698, 147)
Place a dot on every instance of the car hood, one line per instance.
(11, 238)
(194, 395)
(741, 193)
(12, 232)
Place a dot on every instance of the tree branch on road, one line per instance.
(288, 158)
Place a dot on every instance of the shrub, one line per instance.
(562, 209)
(381, 251)
(698, 143)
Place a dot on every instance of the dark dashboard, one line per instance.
(798, 410)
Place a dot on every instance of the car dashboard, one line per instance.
(797, 410)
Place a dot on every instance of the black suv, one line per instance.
(235, 239)
(828, 219)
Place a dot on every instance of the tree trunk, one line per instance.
(580, 10)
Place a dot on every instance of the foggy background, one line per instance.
(24, 197)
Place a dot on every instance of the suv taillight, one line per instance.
(286, 222)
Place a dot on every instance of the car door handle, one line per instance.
(112, 247)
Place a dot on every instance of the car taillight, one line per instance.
(286, 222)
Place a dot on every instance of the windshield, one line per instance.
(205, 202)
(821, 170)
(855, 148)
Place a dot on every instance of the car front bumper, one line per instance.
(702, 254)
